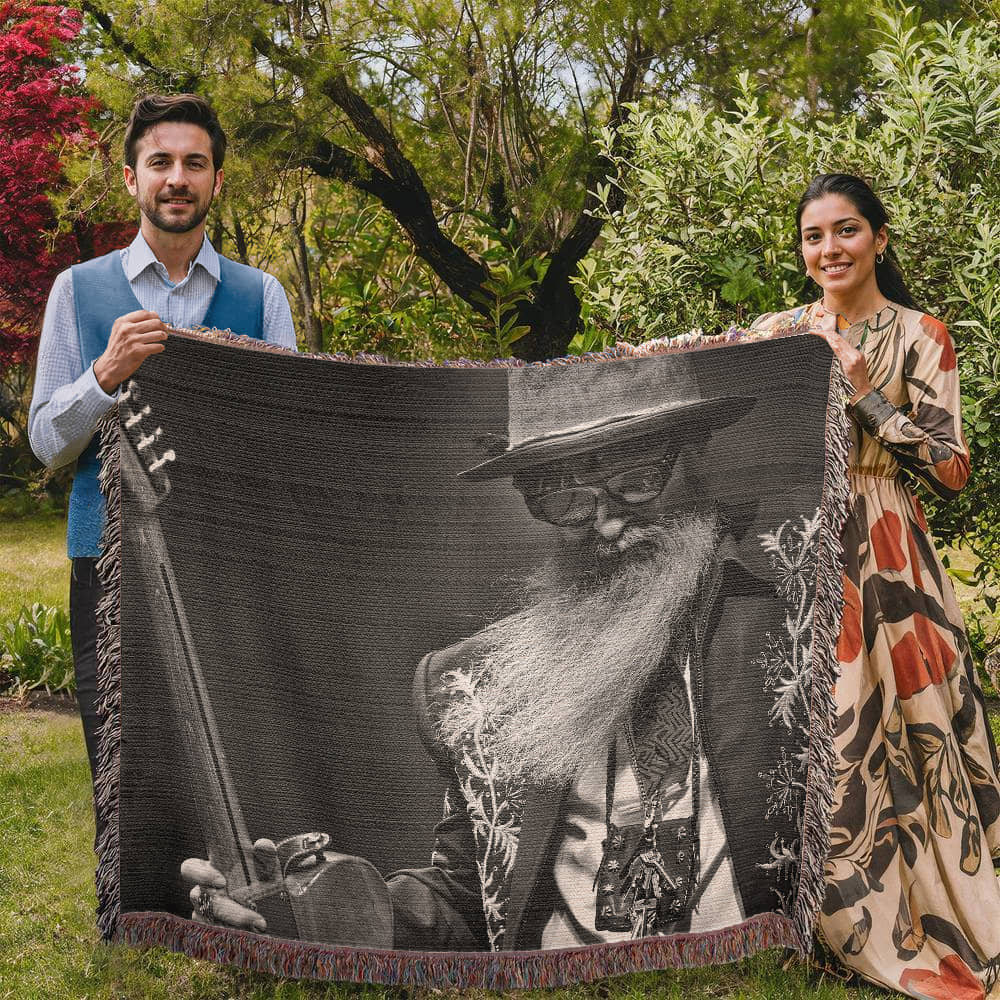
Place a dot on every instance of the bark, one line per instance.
(218, 234)
(241, 239)
(84, 234)
(812, 80)
(303, 282)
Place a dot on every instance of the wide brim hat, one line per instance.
(558, 411)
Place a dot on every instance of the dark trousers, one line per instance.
(84, 593)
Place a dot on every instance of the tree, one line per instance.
(707, 236)
(43, 118)
(471, 124)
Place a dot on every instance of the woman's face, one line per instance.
(838, 245)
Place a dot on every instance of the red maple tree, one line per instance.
(41, 113)
(43, 117)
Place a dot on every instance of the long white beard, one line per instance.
(560, 677)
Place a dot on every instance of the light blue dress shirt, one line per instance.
(68, 402)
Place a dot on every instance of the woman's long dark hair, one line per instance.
(888, 275)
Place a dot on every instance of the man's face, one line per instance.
(565, 671)
(174, 180)
(604, 499)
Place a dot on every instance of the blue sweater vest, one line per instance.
(102, 293)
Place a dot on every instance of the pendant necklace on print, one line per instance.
(646, 874)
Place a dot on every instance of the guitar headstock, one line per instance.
(146, 454)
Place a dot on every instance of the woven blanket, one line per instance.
(494, 675)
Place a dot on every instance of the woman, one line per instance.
(912, 899)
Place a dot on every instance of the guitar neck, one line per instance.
(226, 836)
(221, 818)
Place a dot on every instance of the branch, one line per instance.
(554, 312)
(137, 57)
(588, 227)
(383, 172)
(462, 273)
(382, 151)
(520, 110)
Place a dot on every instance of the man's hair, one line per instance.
(152, 109)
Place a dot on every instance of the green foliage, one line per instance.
(35, 651)
(510, 284)
(374, 294)
(707, 237)
(28, 502)
(371, 291)
(457, 113)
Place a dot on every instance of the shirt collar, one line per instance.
(140, 256)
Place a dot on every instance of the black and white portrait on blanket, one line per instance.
(571, 602)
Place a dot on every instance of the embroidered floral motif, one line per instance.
(494, 806)
(786, 663)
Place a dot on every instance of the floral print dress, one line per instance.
(912, 901)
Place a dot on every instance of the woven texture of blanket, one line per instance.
(488, 675)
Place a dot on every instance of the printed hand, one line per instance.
(133, 338)
(852, 361)
(211, 903)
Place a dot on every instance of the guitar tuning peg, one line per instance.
(167, 456)
(136, 417)
(145, 442)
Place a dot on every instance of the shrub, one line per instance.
(35, 651)
(706, 238)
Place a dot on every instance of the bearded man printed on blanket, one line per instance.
(597, 787)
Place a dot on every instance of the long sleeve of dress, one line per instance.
(924, 435)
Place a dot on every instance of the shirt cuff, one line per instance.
(872, 411)
(94, 395)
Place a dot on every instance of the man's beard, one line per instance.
(559, 678)
(149, 207)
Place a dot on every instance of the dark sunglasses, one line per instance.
(573, 503)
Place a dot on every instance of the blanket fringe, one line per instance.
(827, 616)
(483, 970)
(109, 675)
(667, 345)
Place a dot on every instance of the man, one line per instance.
(597, 786)
(106, 316)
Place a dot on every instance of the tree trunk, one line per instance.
(84, 233)
(554, 320)
(241, 239)
(812, 78)
(303, 283)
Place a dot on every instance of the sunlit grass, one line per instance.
(33, 563)
(51, 951)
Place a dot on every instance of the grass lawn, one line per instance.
(49, 948)
(33, 563)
